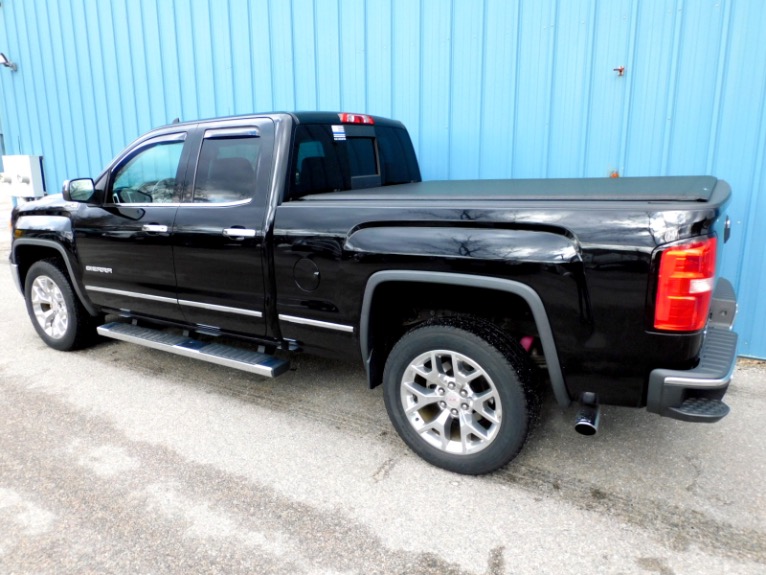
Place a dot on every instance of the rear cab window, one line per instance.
(340, 157)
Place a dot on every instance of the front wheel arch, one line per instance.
(28, 251)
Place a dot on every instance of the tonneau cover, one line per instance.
(653, 189)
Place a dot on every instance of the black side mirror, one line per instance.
(79, 190)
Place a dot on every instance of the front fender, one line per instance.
(32, 234)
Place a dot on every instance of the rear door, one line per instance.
(219, 227)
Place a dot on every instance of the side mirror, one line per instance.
(79, 190)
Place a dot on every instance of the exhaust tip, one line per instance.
(587, 420)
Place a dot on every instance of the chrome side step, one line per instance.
(245, 360)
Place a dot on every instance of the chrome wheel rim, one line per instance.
(49, 307)
(451, 402)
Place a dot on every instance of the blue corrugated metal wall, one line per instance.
(488, 88)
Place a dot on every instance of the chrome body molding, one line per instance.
(215, 204)
(183, 302)
(132, 294)
(223, 308)
(180, 204)
(317, 323)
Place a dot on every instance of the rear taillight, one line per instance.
(685, 286)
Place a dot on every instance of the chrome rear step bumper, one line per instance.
(696, 394)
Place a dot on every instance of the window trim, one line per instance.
(233, 132)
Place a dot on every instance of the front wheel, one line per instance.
(460, 394)
(57, 315)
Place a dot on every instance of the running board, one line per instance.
(245, 360)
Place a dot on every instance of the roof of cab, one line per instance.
(334, 118)
(299, 117)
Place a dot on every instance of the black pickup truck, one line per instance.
(243, 240)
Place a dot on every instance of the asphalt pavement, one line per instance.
(120, 459)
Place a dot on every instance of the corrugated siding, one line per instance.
(488, 88)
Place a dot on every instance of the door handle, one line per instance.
(238, 233)
(155, 228)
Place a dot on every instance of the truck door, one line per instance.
(219, 228)
(125, 243)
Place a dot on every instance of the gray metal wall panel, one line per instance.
(488, 88)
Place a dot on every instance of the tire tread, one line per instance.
(485, 334)
(84, 325)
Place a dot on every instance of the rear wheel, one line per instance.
(57, 315)
(459, 393)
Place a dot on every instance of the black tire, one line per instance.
(470, 420)
(57, 314)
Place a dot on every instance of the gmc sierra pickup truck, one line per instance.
(243, 240)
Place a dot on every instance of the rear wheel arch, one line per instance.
(374, 351)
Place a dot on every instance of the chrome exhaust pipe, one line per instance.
(587, 420)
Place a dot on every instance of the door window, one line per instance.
(149, 177)
(226, 169)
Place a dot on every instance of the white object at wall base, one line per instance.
(23, 176)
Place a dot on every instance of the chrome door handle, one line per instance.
(155, 228)
(238, 233)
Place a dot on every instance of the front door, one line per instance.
(125, 243)
(219, 228)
